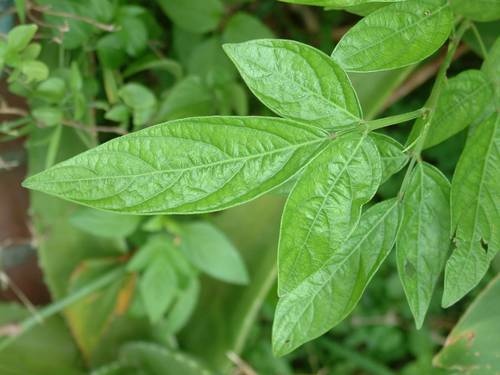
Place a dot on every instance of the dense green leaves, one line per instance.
(191, 165)
(463, 100)
(475, 198)
(424, 236)
(477, 10)
(197, 16)
(324, 206)
(329, 294)
(394, 36)
(297, 81)
(210, 251)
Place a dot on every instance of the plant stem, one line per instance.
(484, 51)
(396, 119)
(60, 305)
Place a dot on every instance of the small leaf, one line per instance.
(297, 81)
(184, 306)
(477, 10)
(158, 286)
(424, 236)
(104, 224)
(211, 252)
(20, 36)
(394, 36)
(463, 100)
(53, 89)
(48, 116)
(391, 155)
(474, 211)
(118, 113)
(324, 207)
(34, 70)
(111, 51)
(197, 16)
(141, 100)
(190, 165)
(328, 295)
(242, 27)
(21, 9)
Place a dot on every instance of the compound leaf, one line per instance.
(297, 81)
(185, 166)
(324, 206)
(475, 211)
(424, 236)
(394, 36)
(328, 295)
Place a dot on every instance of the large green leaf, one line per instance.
(185, 166)
(473, 346)
(475, 197)
(324, 206)
(328, 295)
(477, 10)
(297, 81)
(394, 36)
(462, 101)
(424, 236)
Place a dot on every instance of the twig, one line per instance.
(6, 165)
(6, 110)
(242, 366)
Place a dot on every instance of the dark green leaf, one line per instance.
(242, 27)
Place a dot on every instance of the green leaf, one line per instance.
(133, 32)
(242, 27)
(111, 51)
(394, 36)
(463, 100)
(48, 116)
(324, 207)
(391, 155)
(34, 70)
(104, 224)
(191, 165)
(211, 252)
(183, 307)
(297, 81)
(21, 10)
(491, 67)
(477, 10)
(424, 236)
(328, 295)
(52, 90)
(197, 16)
(118, 113)
(473, 347)
(151, 63)
(475, 211)
(19, 37)
(141, 100)
(31, 52)
(158, 286)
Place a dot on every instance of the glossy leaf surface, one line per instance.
(328, 295)
(297, 81)
(324, 206)
(394, 36)
(424, 237)
(184, 166)
(475, 197)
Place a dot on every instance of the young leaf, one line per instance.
(185, 166)
(477, 10)
(394, 36)
(462, 101)
(391, 155)
(141, 100)
(158, 285)
(475, 211)
(424, 236)
(324, 207)
(20, 36)
(328, 295)
(211, 252)
(197, 16)
(104, 224)
(297, 81)
(34, 70)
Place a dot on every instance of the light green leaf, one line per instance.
(118, 113)
(424, 237)
(104, 224)
(328, 295)
(53, 89)
(297, 81)
(473, 347)
(211, 252)
(475, 211)
(151, 63)
(191, 165)
(158, 286)
(477, 10)
(491, 67)
(197, 16)
(21, 9)
(141, 100)
(324, 207)
(20, 36)
(394, 36)
(463, 100)
(31, 52)
(242, 27)
(391, 155)
(48, 116)
(34, 70)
